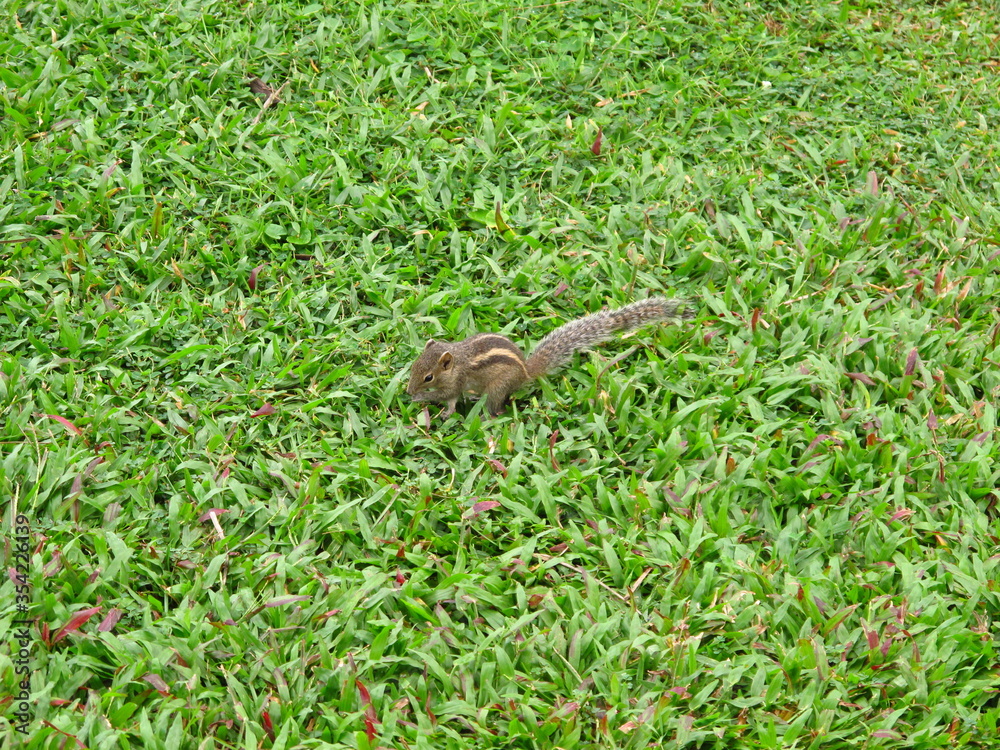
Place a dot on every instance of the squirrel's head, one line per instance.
(433, 374)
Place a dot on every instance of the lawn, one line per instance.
(773, 526)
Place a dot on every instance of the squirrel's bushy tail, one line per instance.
(556, 349)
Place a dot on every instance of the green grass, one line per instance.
(774, 527)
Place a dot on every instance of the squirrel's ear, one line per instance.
(445, 361)
(429, 343)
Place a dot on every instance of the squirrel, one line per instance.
(493, 364)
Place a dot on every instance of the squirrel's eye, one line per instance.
(429, 378)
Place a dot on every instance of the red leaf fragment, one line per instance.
(110, 620)
(207, 515)
(265, 719)
(110, 170)
(482, 506)
(498, 467)
(595, 147)
(252, 281)
(157, 682)
(55, 565)
(77, 486)
(566, 711)
(427, 709)
(66, 423)
(264, 411)
(872, 186)
(75, 622)
(822, 438)
(54, 728)
(371, 719)
(939, 280)
(502, 225)
(911, 362)
(366, 697)
(861, 377)
(964, 292)
(281, 601)
(552, 450)
(872, 637)
(932, 421)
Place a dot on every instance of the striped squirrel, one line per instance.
(493, 364)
